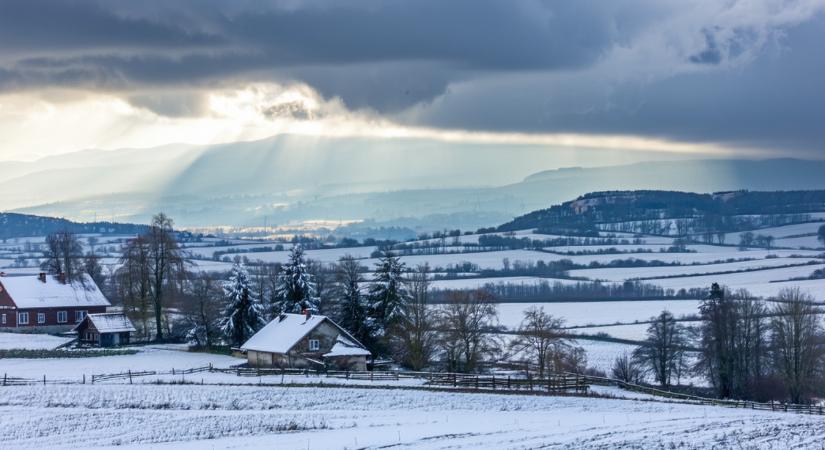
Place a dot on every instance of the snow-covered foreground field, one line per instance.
(197, 417)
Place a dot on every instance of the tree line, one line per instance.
(746, 348)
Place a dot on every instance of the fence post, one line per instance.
(44, 380)
(455, 380)
(476, 381)
(508, 381)
(4, 379)
(494, 382)
(130, 376)
(84, 378)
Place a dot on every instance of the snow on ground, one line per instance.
(475, 283)
(327, 255)
(601, 355)
(196, 417)
(493, 260)
(627, 273)
(741, 279)
(598, 313)
(799, 242)
(20, 341)
(160, 357)
(778, 232)
(635, 332)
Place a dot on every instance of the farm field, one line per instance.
(195, 417)
(598, 313)
(20, 341)
(629, 273)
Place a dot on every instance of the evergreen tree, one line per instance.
(244, 314)
(351, 307)
(295, 290)
(388, 295)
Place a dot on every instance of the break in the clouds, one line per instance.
(739, 73)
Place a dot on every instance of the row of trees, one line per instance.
(743, 347)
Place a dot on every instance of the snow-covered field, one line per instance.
(19, 341)
(739, 280)
(475, 283)
(598, 313)
(197, 417)
(158, 358)
(627, 273)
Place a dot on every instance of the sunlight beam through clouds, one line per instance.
(55, 122)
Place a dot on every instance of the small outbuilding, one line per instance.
(305, 341)
(105, 330)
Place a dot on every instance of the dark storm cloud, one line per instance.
(683, 71)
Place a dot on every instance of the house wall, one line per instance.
(355, 363)
(51, 322)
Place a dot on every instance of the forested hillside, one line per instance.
(14, 225)
(719, 211)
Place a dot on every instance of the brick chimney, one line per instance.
(42, 277)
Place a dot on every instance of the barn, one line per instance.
(105, 330)
(305, 341)
(47, 303)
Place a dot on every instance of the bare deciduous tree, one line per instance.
(663, 352)
(466, 321)
(539, 335)
(796, 340)
(626, 369)
(416, 334)
(63, 255)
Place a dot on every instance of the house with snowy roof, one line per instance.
(305, 341)
(105, 330)
(48, 303)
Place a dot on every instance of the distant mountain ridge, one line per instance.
(288, 180)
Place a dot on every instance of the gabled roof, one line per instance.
(286, 330)
(30, 292)
(345, 347)
(108, 323)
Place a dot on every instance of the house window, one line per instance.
(3, 319)
(23, 318)
(41, 318)
(62, 317)
(79, 315)
(314, 345)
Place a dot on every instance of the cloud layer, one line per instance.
(740, 73)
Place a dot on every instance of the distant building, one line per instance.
(305, 341)
(48, 303)
(105, 330)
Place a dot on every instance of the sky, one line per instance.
(687, 77)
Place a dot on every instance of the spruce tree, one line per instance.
(388, 294)
(295, 290)
(351, 305)
(244, 314)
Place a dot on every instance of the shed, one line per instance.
(305, 341)
(105, 330)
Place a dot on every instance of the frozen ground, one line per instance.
(197, 417)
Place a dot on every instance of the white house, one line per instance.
(305, 341)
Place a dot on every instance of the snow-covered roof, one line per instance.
(345, 347)
(286, 330)
(109, 323)
(29, 292)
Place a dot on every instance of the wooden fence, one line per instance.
(745, 404)
(553, 383)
